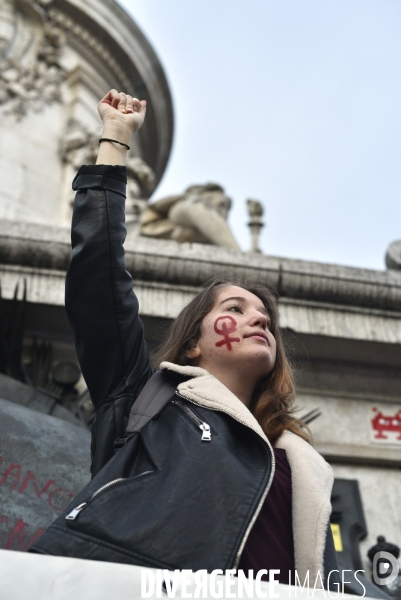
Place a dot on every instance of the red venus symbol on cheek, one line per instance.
(229, 325)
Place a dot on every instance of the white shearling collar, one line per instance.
(187, 370)
(312, 477)
(312, 481)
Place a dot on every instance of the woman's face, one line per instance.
(235, 334)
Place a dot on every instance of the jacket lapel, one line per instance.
(206, 390)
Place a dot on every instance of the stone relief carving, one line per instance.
(197, 215)
(30, 57)
(80, 32)
(141, 183)
(80, 146)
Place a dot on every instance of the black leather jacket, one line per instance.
(231, 484)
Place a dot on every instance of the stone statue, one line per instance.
(197, 215)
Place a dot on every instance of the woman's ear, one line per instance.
(193, 351)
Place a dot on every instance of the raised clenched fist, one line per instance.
(121, 110)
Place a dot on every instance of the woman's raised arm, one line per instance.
(100, 303)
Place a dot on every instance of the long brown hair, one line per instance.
(273, 399)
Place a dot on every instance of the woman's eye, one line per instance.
(235, 308)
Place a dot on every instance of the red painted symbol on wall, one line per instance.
(228, 325)
(17, 538)
(382, 423)
(58, 498)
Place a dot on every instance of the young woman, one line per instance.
(238, 484)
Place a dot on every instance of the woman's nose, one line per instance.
(260, 319)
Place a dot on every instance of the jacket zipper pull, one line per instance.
(206, 434)
(75, 512)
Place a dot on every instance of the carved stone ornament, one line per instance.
(255, 208)
(255, 211)
(30, 50)
(79, 146)
(141, 181)
(393, 256)
(143, 176)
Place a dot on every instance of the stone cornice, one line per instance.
(48, 247)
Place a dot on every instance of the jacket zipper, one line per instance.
(204, 427)
(75, 511)
(259, 507)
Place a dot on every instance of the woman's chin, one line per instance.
(258, 360)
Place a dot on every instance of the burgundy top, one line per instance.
(270, 544)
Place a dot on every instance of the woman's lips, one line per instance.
(259, 334)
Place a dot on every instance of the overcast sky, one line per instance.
(292, 102)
